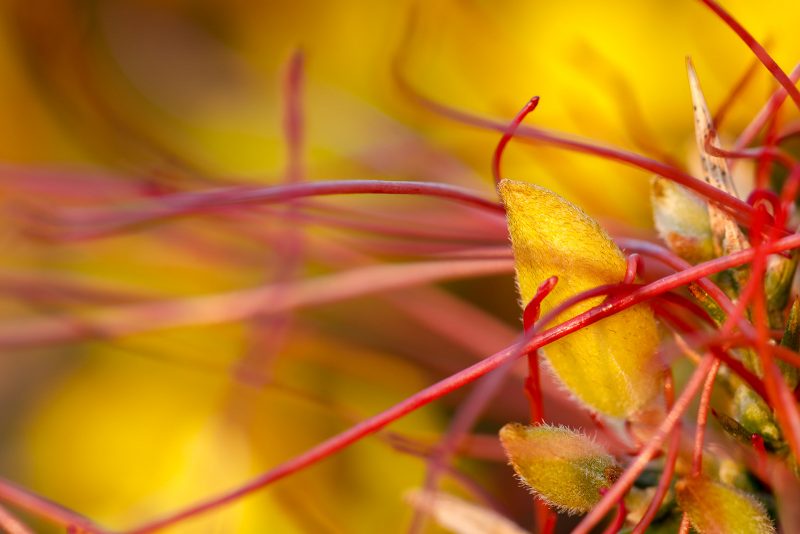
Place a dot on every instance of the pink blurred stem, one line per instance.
(26, 500)
(268, 333)
(293, 117)
(233, 306)
(103, 220)
(10, 524)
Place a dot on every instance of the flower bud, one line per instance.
(754, 414)
(681, 219)
(562, 467)
(609, 365)
(715, 508)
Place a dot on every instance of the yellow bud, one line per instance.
(681, 218)
(609, 365)
(562, 467)
(715, 508)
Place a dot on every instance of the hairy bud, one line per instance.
(562, 467)
(715, 508)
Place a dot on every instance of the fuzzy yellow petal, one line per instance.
(610, 365)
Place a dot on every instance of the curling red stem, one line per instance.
(533, 388)
(508, 135)
(531, 313)
(633, 266)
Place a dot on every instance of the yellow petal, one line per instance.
(609, 365)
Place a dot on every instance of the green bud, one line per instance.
(562, 467)
(715, 508)
(778, 281)
(681, 218)
(754, 415)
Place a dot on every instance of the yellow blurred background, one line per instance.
(105, 101)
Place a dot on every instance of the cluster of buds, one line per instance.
(743, 333)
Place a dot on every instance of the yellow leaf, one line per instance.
(610, 365)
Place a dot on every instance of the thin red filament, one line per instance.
(508, 135)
